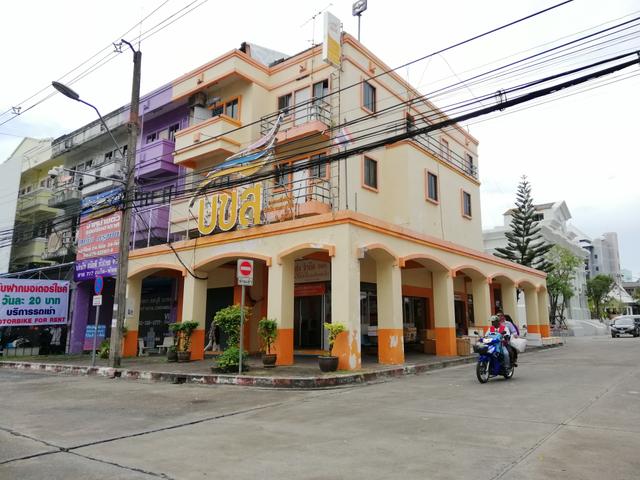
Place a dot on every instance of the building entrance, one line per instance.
(308, 315)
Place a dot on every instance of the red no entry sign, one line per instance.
(245, 272)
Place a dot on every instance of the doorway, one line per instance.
(460, 310)
(308, 314)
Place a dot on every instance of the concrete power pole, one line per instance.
(120, 305)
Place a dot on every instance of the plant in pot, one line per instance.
(329, 362)
(268, 331)
(228, 319)
(186, 329)
(172, 351)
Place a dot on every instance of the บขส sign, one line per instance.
(99, 237)
(33, 302)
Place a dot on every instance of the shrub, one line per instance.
(229, 360)
(268, 331)
(103, 349)
(228, 319)
(334, 330)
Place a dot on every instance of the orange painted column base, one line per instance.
(533, 329)
(390, 346)
(545, 331)
(446, 342)
(197, 345)
(346, 349)
(130, 344)
(283, 346)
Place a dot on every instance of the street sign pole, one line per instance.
(98, 284)
(241, 329)
(244, 275)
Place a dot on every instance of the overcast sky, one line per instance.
(578, 146)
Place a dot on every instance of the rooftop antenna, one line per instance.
(313, 19)
(357, 9)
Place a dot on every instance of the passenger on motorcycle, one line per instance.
(503, 330)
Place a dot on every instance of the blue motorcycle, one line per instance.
(490, 360)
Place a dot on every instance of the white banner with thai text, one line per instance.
(33, 302)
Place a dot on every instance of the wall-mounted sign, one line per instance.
(33, 302)
(101, 202)
(90, 268)
(99, 237)
(309, 290)
(307, 271)
(331, 48)
(224, 211)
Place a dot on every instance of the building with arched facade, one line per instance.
(387, 241)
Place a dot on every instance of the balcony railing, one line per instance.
(434, 146)
(156, 159)
(298, 116)
(35, 204)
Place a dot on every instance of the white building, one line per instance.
(553, 218)
(605, 258)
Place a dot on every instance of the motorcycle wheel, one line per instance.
(509, 373)
(482, 371)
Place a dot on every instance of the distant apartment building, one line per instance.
(555, 229)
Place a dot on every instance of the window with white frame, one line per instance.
(369, 97)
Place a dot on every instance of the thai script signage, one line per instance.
(88, 336)
(33, 302)
(90, 268)
(101, 203)
(331, 48)
(227, 210)
(99, 237)
(307, 271)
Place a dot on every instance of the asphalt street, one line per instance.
(571, 412)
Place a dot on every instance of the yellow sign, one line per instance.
(228, 209)
(331, 48)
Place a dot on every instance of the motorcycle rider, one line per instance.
(503, 330)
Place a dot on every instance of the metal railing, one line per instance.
(436, 147)
(297, 115)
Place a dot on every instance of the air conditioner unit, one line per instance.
(198, 100)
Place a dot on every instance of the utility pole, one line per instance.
(120, 305)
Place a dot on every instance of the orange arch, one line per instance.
(479, 273)
(421, 256)
(491, 278)
(524, 283)
(307, 248)
(154, 268)
(371, 248)
(216, 260)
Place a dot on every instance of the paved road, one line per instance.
(570, 413)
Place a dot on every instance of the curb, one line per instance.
(306, 383)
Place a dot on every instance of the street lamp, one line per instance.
(119, 305)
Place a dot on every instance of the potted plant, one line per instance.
(172, 351)
(268, 331)
(186, 329)
(228, 319)
(329, 362)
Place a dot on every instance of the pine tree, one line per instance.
(525, 244)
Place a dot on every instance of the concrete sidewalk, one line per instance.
(304, 374)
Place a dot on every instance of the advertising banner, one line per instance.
(91, 268)
(101, 202)
(88, 336)
(331, 47)
(33, 302)
(99, 237)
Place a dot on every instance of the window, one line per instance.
(321, 89)
(152, 137)
(284, 102)
(107, 158)
(432, 187)
(172, 132)
(318, 171)
(369, 97)
(537, 217)
(370, 173)
(466, 204)
(166, 194)
(469, 166)
(411, 123)
(446, 152)
(217, 110)
(280, 177)
(231, 109)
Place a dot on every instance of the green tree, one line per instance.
(524, 240)
(598, 289)
(559, 279)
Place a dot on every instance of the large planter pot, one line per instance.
(269, 360)
(172, 356)
(328, 363)
(184, 357)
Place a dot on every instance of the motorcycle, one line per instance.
(490, 360)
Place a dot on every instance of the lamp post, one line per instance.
(119, 306)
